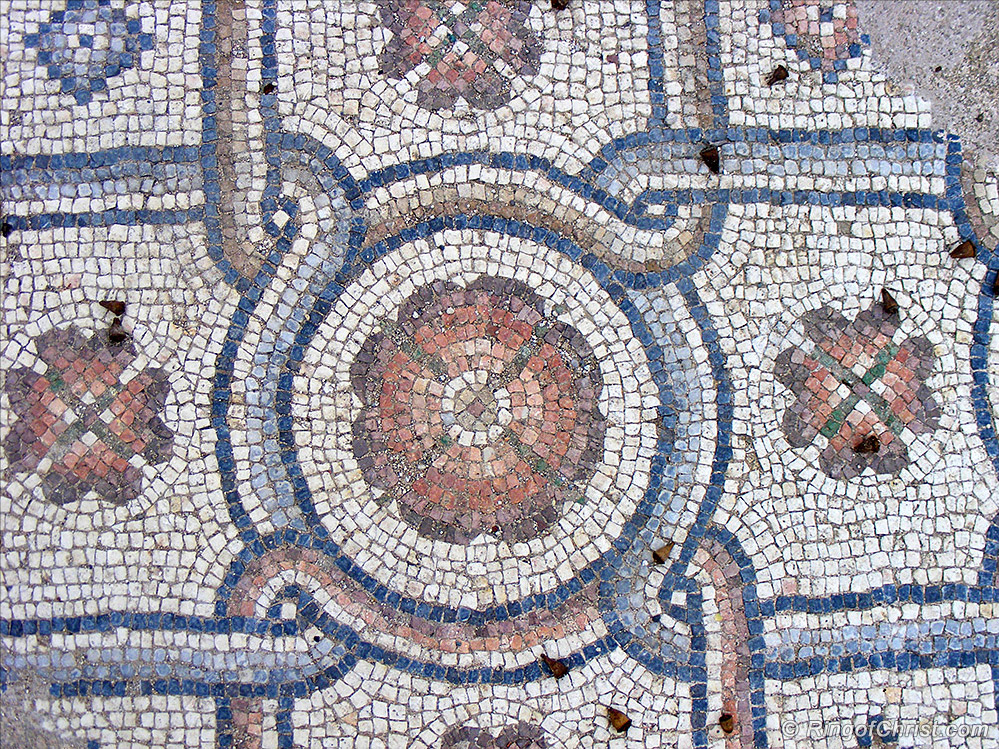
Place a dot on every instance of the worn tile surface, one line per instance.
(442, 395)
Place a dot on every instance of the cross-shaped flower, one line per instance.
(468, 50)
(854, 381)
(84, 419)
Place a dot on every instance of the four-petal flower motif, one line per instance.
(517, 736)
(855, 381)
(467, 50)
(823, 32)
(480, 412)
(85, 417)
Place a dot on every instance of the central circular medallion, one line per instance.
(480, 411)
(474, 418)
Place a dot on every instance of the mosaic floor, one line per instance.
(410, 373)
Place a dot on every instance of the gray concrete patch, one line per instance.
(21, 723)
(946, 52)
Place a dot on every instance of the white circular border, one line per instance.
(487, 571)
